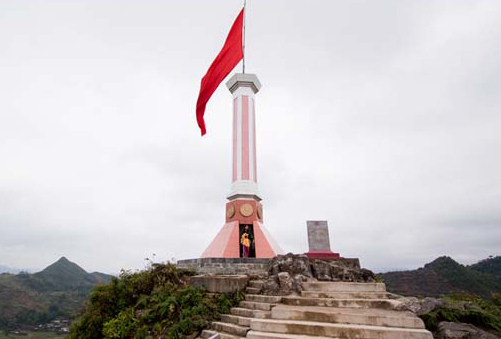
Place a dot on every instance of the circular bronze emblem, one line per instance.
(260, 212)
(230, 211)
(246, 210)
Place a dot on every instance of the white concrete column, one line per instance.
(244, 171)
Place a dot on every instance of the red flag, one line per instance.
(226, 60)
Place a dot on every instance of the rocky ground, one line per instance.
(286, 273)
(448, 330)
(427, 307)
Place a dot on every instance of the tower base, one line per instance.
(226, 244)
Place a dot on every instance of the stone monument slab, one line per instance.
(318, 240)
(318, 235)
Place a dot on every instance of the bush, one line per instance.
(469, 309)
(121, 326)
(496, 299)
(157, 302)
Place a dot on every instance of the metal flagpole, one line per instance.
(243, 37)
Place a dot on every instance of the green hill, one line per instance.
(444, 276)
(491, 265)
(57, 291)
(65, 275)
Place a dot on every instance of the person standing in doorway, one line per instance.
(245, 240)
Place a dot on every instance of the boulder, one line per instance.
(286, 283)
(296, 282)
(418, 306)
(429, 305)
(300, 268)
(334, 270)
(448, 330)
(271, 286)
(321, 270)
(293, 264)
(412, 304)
(282, 284)
(367, 275)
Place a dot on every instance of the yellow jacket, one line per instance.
(245, 240)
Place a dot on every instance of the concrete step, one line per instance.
(253, 305)
(269, 335)
(252, 290)
(357, 316)
(206, 334)
(230, 328)
(329, 286)
(245, 312)
(386, 304)
(263, 298)
(256, 283)
(345, 331)
(345, 295)
(235, 319)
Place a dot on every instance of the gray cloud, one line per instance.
(382, 117)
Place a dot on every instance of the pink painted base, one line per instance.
(322, 255)
(226, 243)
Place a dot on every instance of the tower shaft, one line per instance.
(244, 164)
(244, 210)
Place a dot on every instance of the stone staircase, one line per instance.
(238, 322)
(324, 310)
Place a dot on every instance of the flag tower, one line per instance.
(244, 206)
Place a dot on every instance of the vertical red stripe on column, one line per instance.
(235, 131)
(254, 138)
(245, 137)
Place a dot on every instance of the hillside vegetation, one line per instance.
(157, 302)
(491, 265)
(56, 292)
(32, 335)
(463, 308)
(445, 276)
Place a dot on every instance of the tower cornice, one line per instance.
(244, 80)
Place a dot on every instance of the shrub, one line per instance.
(121, 326)
(157, 301)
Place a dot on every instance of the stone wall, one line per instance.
(220, 283)
(226, 266)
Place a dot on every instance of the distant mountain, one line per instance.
(491, 265)
(101, 278)
(65, 275)
(443, 276)
(6, 269)
(57, 291)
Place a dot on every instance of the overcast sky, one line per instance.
(382, 117)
